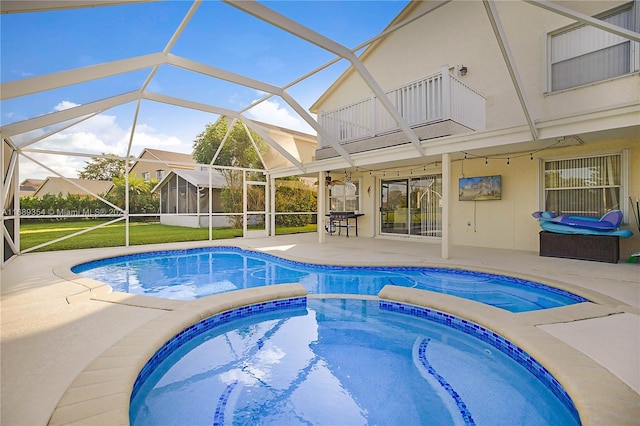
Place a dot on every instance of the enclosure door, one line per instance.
(394, 214)
(255, 209)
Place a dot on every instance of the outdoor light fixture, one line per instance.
(463, 70)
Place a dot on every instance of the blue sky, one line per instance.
(34, 44)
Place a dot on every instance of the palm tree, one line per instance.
(140, 199)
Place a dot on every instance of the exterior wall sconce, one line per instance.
(463, 70)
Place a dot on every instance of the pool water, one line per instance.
(195, 273)
(345, 362)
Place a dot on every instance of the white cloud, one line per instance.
(104, 133)
(146, 136)
(65, 165)
(96, 135)
(64, 105)
(270, 111)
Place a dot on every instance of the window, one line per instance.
(145, 176)
(585, 54)
(345, 197)
(589, 186)
(159, 174)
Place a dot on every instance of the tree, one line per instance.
(238, 151)
(140, 198)
(100, 168)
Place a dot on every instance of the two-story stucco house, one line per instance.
(539, 98)
(155, 164)
(451, 126)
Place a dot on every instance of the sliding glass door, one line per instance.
(393, 207)
(412, 206)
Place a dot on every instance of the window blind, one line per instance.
(585, 186)
(586, 54)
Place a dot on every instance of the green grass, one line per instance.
(282, 230)
(36, 233)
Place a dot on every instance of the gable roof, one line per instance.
(86, 187)
(29, 186)
(31, 183)
(309, 137)
(369, 48)
(169, 157)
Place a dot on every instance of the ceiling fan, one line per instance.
(330, 182)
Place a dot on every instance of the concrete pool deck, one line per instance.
(53, 332)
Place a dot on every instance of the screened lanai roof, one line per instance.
(85, 77)
(80, 76)
(197, 178)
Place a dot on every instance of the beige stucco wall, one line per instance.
(460, 33)
(475, 223)
(301, 148)
(141, 167)
(507, 223)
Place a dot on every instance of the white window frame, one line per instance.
(624, 177)
(634, 60)
(342, 199)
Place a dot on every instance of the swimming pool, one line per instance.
(194, 273)
(344, 361)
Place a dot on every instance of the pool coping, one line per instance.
(101, 393)
(99, 290)
(592, 387)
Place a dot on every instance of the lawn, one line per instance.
(36, 233)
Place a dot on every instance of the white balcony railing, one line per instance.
(437, 97)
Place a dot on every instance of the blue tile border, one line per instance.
(78, 269)
(207, 324)
(492, 338)
(218, 417)
(462, 407)
(468, 327)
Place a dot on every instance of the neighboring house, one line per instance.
(183, 187)
(301, 146)
(162, 166)
(560, 123)
(187, 192)
(65, 186)
(28, 187)
(154, 164)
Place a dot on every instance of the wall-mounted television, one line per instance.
(480, 188)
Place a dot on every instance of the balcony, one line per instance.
(436, 105)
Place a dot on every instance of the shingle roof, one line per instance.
(57, 185)
(169, 157)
